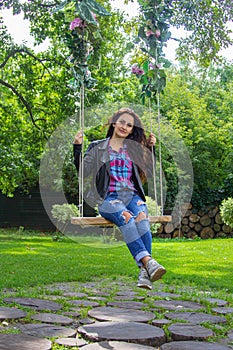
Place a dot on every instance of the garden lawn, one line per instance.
(32, 259)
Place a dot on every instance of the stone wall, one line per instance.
(204, 223)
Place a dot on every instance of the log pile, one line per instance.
(204, 223)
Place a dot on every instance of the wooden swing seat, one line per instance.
(100, 221)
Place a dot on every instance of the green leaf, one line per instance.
(145, 66)
(144, 80)
(141, 33)
(61, 6)
(85, 13)
(96, 7)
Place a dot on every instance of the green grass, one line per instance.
(33, 258)
(30, 261)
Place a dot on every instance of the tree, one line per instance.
(35, 88)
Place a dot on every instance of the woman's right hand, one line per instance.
(78, 139)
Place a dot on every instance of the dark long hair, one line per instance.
(137, 134)
(137, 150)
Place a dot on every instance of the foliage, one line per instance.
(205, 125)
(206, 25)
(63, 213)
(35, 91)
(36, 95)
(153, 210)
(226, 211)
(153, 34)
(81, 40)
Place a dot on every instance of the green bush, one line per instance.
(226, 211)
(63, 213)
(153, 210)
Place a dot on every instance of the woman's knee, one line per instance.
(141, 216)
(126, 216)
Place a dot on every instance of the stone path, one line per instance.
(114, 315)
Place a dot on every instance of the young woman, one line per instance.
(118, 166)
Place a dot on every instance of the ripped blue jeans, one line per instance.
(135, 230)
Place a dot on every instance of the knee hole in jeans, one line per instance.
(141, 216)
(127, 216)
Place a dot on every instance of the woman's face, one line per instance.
(123, 126)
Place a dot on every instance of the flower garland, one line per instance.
(152, 37)
(83, 31)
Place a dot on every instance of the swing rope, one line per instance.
(160, 155)
(153, 163)
(81, 170)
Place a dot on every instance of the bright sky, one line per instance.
(19, 29)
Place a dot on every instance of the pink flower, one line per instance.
(157, 33)
(152, 66)
(137, 70)
(149, 33)
(157, 66)
(94, 15)
(77, 22)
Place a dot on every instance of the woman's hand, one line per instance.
(78, 139)
(151, 141)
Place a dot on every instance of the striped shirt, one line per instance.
(120, 170)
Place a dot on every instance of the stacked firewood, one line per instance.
(204, 223)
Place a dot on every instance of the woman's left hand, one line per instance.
(151, 141)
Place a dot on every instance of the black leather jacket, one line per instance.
(97, 172)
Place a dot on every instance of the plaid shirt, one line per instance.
(120, 170)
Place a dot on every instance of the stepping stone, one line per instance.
(127, 293)
(46, 330)
(182, 331)
(107, 313)
(98, 292)
(116, 345)
(135, 332)
(219, 302)
(165, 294)
(86, 321)
(195, 317)
(72, 314)
(98, 298)
(136, 305)
(177, 305)
(75, 294)
(71, 342)
(9, 313)
(193, 345)
(227, 341)
(53, 318)
(38, 304)
(122, 297)
(85, 303)
(223, 310)
(160, 322)
(23, 342)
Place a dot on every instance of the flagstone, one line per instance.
(183, 331)
(193, 345)
(195, 317)
(116, 345)
(39, 304)
(108, 313)
(135, 332)
(23, 342)
(7, 313)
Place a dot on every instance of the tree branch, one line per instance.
(15, 51)
(22, 99)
